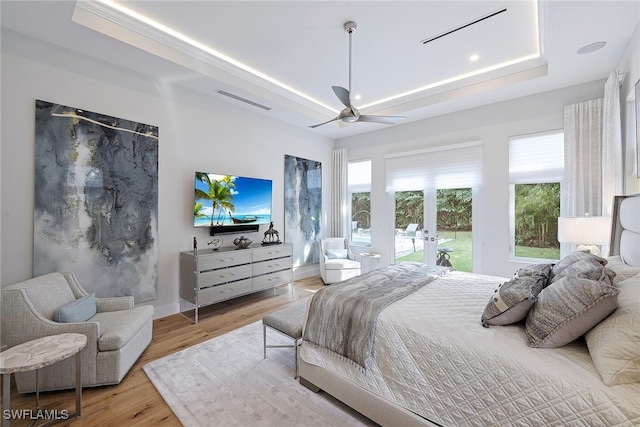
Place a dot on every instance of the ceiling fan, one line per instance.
(350, 114)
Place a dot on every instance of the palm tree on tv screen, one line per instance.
(219, 193)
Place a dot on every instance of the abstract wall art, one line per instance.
(302, 208)
(96, 200)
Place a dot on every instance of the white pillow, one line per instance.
(614, 344)
(336, 253)
(622, 270)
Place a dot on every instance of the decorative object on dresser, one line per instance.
(216, 242)
(271, 236)
(242, 242)
(208, 276)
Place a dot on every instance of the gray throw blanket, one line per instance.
(343, 317)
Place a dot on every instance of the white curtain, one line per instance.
(611, 143)
(583, 177)
(593, 154)
(338, 220)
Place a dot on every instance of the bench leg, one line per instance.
(264, 340)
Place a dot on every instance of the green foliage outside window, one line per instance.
(537, 208)
(361, 209)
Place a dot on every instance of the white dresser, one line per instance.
(218, 275)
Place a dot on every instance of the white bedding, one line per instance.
(433, 357)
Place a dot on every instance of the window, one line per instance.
(536, 168)
(359, 188)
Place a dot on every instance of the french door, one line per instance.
(444, 227)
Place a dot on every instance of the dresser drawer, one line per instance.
(224, 275)
(270, 252)
(272, 279)
(223, 292)
(223, 259)
(271, 265)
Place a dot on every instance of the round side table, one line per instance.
(37, 354)
(371, 258)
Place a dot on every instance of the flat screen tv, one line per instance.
(230, 203)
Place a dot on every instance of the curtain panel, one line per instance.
(611, 143)
(338, 220)
(583, 159)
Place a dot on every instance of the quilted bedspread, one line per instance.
(432, 356)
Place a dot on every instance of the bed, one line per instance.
(432, 363)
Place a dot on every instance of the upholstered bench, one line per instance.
(289, 322)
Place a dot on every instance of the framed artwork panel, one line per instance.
(96, 200)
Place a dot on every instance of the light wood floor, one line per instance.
(135, 400)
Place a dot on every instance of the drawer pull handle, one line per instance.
(224, 276)
(226, 260)
(227, 291)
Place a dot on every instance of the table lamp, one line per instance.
(589, 232)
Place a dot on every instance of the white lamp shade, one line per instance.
(592, 230)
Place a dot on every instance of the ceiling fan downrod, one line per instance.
(350, 28)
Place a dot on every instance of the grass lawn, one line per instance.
(461, 259)
(545, 253)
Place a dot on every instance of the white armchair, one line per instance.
(337, 262)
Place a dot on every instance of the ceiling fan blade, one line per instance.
(389, 120)
(343, 95)
(328, 121)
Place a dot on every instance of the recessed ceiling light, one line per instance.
(473, 58)
(591, 48)
(358, 96)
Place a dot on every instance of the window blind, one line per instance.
(449, 167)
(359, 176)
(536, 158)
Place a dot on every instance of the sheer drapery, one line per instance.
(583, 159)
(338, 218)
(611, 143)
(593, 154)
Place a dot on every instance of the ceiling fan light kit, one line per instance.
(350, 114)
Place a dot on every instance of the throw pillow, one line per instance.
(622, 270)
(336, 253)
(572, 258)
(614, 344)
(567, 309)
(512, 300)
(79, 310)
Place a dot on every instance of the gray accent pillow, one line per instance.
(565, 263)
(511, 301)
(79, 310)
(567, 309)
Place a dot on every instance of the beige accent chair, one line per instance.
(337, 262)
(117, 334)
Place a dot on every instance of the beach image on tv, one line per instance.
(228, 200)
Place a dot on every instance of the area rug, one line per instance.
(226, 382)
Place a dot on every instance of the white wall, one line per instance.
(195, 134)
(493, 125)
